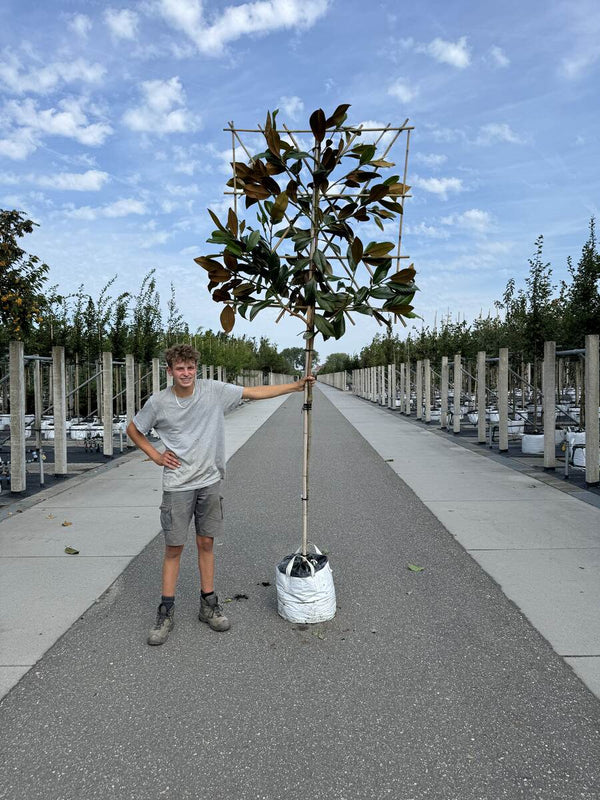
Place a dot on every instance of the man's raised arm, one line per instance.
(264, 392)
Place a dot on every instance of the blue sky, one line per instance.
(111, 119)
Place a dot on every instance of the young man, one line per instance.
(189, 419)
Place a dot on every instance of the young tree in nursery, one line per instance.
(301, 254)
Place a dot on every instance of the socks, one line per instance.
(206, 594)
(167, 602)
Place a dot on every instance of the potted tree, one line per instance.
(293, 246)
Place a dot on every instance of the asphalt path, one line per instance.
(426, 684)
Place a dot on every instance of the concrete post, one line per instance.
(427, 388)
(444, 392)
(457, 393)
(503, 399)
(481, 397)
(402, 388)
(155, 376)
(107, 402)
(18, 478)
(76, 395)
(98, 390)
(419, 383)
(592, 401)
(59, 409)
(37, 400)
(407, 387)
(549, 404)
(138, 386)
(392, 386)
(129, 392)
(211, 372)
(382, 388)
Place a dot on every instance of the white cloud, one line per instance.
(474, 219)
(429, 231)
(292, 107)
(497, 132)
(582, 24)
(402, 91)
(122, 24)
(18, 145)
(163, 110)
(432, 160)
(91, 181)
(120, 208)
(439, 186)
(573, 67)
(43, 80)
(70, 121)
(259, 17)
(456, 54)
(498, 56)
(81, 25)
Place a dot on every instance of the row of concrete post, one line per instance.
(413, 384)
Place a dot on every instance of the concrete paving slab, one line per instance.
(122, 493)
(114, 532)
(509, 524)
(49, 595)
(588, 669)
(9, 676)
(557, 590)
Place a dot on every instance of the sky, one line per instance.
(112, 117)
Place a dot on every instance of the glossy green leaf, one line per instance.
(324, 327)
(279, 206)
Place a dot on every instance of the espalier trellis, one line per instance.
(301, 253)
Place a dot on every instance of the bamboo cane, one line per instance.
(310, 331)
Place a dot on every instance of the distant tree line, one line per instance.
(525, 318)
(130, 322)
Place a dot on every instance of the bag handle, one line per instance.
(290, 564)
(315, 548)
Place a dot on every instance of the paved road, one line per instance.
(425, 685)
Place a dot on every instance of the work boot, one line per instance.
(211, 612)
(165, 622)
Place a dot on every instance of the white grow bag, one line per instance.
(309, 597)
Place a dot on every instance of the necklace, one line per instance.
(190, 400)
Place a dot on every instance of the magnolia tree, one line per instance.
(294, 245)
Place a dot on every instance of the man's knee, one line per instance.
(173, 551)
(205, 543)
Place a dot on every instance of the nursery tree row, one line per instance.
(131, 322)
(527, 316)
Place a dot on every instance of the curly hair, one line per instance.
(181, 352)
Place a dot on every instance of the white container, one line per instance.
(532, 444)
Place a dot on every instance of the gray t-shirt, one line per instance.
(193, 429)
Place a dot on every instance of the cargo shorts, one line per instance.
(178, 509)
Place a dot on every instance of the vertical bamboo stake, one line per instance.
(310, 338)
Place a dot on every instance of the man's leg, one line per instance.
(176, 513)
(206, 563)
(170, 571)
(209, 523)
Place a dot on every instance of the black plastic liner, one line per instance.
(300, 569)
